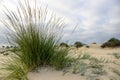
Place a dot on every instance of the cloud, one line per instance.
(98, 20)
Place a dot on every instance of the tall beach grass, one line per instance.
(36, 32)
(13, 69)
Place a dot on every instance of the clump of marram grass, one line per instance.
(116, 55)
(14, 69)
(79, 67)
(36, 37)
(61, 59)
(86, 63)
(116, 71)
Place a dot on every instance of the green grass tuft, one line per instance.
(36, 36)
(14, 69)
(116, 55)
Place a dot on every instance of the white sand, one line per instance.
(94, 50)
(48, 74)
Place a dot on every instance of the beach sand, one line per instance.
(48, 74)
(95, 50)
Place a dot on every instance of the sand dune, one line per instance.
(95, 50)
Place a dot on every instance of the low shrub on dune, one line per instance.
(113, 42)
(78, 44)
(64, 44)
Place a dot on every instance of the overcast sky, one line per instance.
(98, 20)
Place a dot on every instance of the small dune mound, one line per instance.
(95, 45)
(113, 42)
